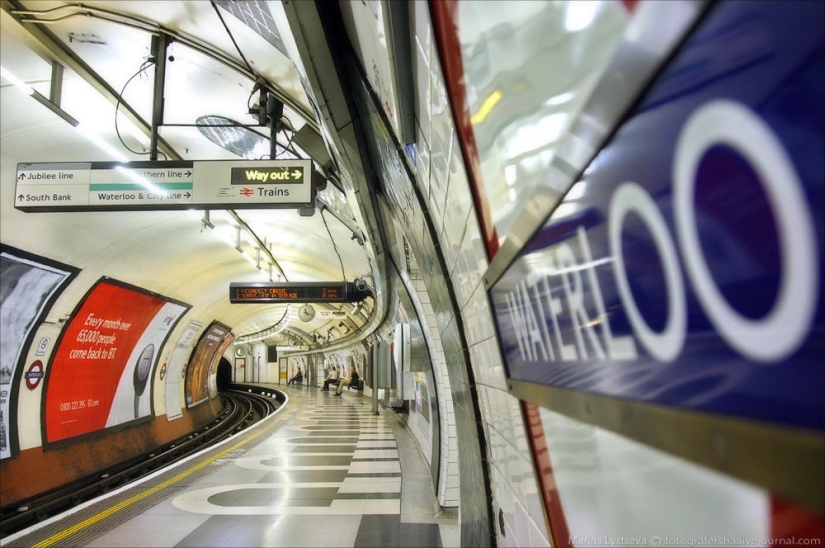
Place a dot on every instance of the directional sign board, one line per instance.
(112, 186)
(285, 183)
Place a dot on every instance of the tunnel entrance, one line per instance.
(224, 377)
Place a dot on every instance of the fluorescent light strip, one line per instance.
(249, 258)
(145, 183)
(234, 240)
(244, 339)
(18, 83)
(46, 102)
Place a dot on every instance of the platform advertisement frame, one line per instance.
(203, 362)
(29, 286)
(101, 374)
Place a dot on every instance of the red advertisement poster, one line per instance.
(98, 372)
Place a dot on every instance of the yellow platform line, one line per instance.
(120, 506)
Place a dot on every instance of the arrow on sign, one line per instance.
(22, 176)
(188, 173)
(188, 195)
(296, 174)
(20, 197)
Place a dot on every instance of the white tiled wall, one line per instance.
(458, 207)
(448, 479)
(514, 484)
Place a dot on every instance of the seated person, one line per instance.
(353, 378)
(332, 378)
(299, 377)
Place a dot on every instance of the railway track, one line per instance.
(242, 409)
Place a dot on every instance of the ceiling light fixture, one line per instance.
(579, 14)
(486, 107)
(239, 140)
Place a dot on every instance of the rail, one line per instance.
(242, 409)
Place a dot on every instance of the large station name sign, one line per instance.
(685, 267)
(297, 292)
(112, 186)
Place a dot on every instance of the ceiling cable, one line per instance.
(145, 65)
(245, 68)
(334, 246)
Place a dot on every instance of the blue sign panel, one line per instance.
(685, 267)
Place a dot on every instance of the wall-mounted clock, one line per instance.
(239, 351)
(306, 313)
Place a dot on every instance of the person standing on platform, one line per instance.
(353, 378)
(332, 378)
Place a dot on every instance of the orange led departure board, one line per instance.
(291, 292)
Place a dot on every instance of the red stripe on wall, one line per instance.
(795, 525)
(630, 4)
(444, 14)
(547, 481)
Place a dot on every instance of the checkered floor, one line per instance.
(324, 472)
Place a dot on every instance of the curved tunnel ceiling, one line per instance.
(173, 253)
